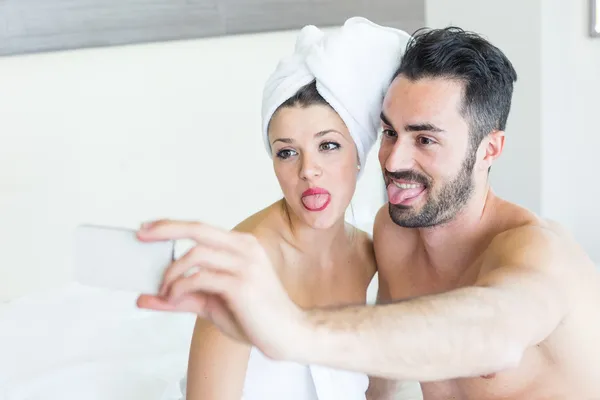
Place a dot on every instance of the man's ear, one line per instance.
(491, 148)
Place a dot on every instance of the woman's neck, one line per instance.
(309, 239)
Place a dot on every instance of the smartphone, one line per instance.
(113, 258)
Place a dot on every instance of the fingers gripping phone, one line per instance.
(113, 258)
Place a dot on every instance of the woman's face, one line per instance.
(315, 161)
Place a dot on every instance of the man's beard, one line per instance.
(441, 207)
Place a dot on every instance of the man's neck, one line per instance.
(455, 241)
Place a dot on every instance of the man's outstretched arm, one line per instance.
(471, 331)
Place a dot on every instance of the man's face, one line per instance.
(426, 153)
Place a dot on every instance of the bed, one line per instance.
(76, 342)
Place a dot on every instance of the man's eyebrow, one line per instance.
(385, 119)
(425, 127)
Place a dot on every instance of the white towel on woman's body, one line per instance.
(267, 379)
(353, 67)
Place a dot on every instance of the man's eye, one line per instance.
(389, 133)
(425, 141)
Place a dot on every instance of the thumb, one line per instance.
(194, 303)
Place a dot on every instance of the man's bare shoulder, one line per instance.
(385, 230)
(393, 245)
(536, 243)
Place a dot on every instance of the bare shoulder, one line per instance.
(258, 223)
(395, 248)
(382, 219)
(537, 244)
(263, 225)
(535, 241)
(393, 244)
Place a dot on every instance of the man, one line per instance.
(481, 299)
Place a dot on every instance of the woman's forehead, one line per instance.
(303, 121)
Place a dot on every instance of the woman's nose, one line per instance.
(310, 168)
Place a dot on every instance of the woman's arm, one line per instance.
(217, 365)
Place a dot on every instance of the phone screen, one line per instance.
(113, 258)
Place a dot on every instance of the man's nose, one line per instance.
(401, 156)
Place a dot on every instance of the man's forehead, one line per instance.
(423, 96)
(424, 86)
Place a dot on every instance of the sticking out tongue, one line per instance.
(397, 195)
(315, 201)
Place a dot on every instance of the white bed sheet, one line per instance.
(81, 343)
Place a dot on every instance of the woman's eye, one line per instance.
(425, 141)
(286, 153)
(328, 146)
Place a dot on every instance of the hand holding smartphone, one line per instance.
(113, 258)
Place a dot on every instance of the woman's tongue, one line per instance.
(315, 201)
(398, 195)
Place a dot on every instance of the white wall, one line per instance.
(571, 85)
(552, 131)
(121, 135)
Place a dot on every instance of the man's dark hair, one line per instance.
(487, 74)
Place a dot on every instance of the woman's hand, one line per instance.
(235, 286)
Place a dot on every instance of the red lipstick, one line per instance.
(313, 191)
(315, 199)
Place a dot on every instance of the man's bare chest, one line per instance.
(522, 383)
(517, 384)
(420, 279)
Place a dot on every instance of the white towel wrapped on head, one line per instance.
(352, 66)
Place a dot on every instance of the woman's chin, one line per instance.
(321, 220)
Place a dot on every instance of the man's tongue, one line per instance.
(397, 195)
(315, 201)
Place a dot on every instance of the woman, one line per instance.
(318, 147)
